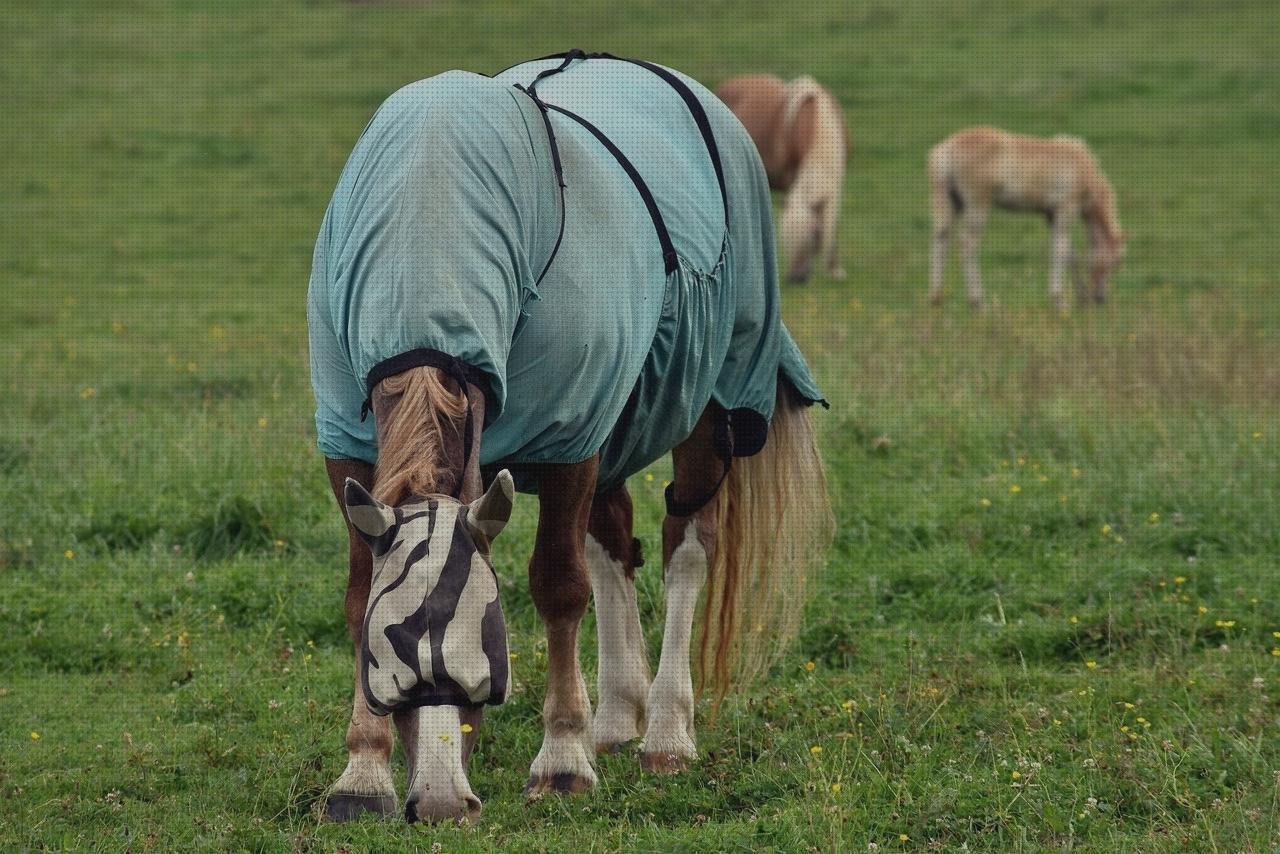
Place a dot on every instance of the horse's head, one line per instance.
(434, 645)
(1105, 251)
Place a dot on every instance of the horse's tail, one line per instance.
(774, 527)
(830, 141)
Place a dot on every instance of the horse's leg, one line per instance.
(1060, 223)
(800, 233)
(365, 785)
(944, 215)
(561, 587)
(830, 224)
(973, 221)
(623, 681)
(687, 545)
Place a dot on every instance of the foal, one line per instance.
(799, 130)
(1060, 178)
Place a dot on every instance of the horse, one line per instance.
(542, 282)
(800, 133)
(1060, 178)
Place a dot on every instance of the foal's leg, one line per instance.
(830, 223)
(974, 220)
(365, 785)
(687, 545)
(623, 681)
(1060, 223)
(944, 216)
(560, 586)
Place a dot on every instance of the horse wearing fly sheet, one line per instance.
(544, 281)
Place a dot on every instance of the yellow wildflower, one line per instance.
(1130, 706)
(1225, 624)
(985, 502)
(816, 749)
(1180, 579)
(35, 736)
(902, 837)
(1202, 609)
(69, 554)
(1106, 529)
(467, 728)
(847, 705)
(1153, 518)
(88, 392)
(1091, 664)
(1015, 489)
(810, 666)
(1017, 775)
(262, 421)
(835, 788)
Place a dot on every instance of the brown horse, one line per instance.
(798, 128)
(974, 169)
(460, 190)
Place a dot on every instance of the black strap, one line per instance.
(669, 258)
(681, 509)
(691, 101)
(559, 168)
(457, 370)
(722, 444)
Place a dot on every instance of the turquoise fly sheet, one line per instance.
(589, 238)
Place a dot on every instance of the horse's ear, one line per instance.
(489, 514)
(369, 516)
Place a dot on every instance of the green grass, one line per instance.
(175, 670)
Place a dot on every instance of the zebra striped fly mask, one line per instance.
(433, 629)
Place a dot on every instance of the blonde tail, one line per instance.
(774, 527)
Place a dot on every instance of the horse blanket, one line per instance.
(589, 239)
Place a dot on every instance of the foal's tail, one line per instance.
(774, 529)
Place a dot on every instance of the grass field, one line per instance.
(1050, 616)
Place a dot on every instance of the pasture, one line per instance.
(1051, 618)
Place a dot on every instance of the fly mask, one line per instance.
(433, 630)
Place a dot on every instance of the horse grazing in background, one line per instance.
(799, 130)
(546, 280)
(1060, 178)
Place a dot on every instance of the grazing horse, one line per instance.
(1060, 178)
(545, 281)
(799, 130)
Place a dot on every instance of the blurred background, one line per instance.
(1050, 615)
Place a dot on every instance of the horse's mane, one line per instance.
(416, 412)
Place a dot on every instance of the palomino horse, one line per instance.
(799, 130)
(1060, 178)
(565, 271)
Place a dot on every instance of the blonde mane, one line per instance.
(416, 412)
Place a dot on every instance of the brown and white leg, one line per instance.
(687, 546)
(559, 582)
(623, 672)
(973, 221)
(365, 785)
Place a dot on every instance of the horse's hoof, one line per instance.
(564, 783)
(663, 763)
(340, 807)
